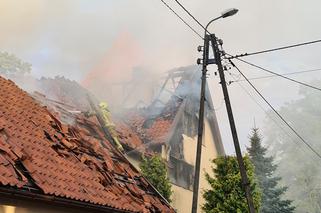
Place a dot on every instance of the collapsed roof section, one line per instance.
(169, 125)
(72, 160)
(173, 112)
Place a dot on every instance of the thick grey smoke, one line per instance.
(71, 38)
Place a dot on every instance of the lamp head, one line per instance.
(229, 12)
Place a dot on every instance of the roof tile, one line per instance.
(64, 160)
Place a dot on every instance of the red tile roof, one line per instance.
(126, 135)
(38, 151)
(158, 129)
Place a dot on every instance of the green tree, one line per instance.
(298, 166)
(264, 171)
(11, 65)
(226, 193)
(155, 170)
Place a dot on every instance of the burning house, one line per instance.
(54, 159)
(168, 127)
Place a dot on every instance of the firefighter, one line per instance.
(109, 125)
(106, 115)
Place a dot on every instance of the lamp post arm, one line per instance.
(208, 24)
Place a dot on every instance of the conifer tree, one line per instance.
(226, 193)
(264, 171)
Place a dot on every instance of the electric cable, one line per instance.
(277, 74)
(280, 48)
(270, 50)
(275, 49)
(276, 112)
(190, 14)
(273, 76)
(271, 118)
(199, 35)
(247, 54)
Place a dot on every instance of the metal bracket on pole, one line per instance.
(211, 61)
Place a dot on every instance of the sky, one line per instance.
(74, 37)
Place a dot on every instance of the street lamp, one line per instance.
(207, 37)
(225, 14)
(229, 12)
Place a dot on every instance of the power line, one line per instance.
(275, 49)
(248, 54)
(249, 82)
(277, 74)
(254, 53)
(318, 155)
(276, 112)
(270, 117)
(182, 19)
(273, 76)
(190, 14)
(280, 48)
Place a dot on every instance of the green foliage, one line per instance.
(11, 65)
(226, 193)
(154, 169)
(264, 171)
(298, 166)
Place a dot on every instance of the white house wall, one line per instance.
(182, 198)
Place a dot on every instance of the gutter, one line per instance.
(9, 193)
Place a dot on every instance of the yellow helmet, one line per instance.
(103, 105)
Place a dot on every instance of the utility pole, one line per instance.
(245, 180)
(200, 125)
(208, 37)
